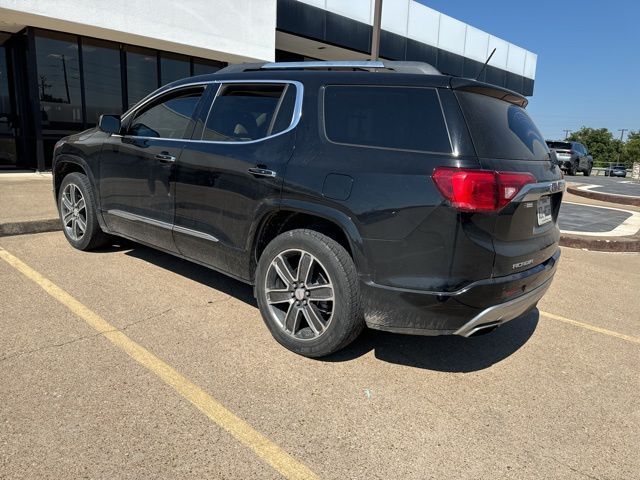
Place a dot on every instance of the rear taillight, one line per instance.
(479, 190)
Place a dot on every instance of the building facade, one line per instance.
(65, 62)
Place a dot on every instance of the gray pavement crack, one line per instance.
(49, 346)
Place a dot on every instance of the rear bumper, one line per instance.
(480, 305)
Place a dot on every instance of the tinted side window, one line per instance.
(500, 129)
(168, 117)
(245, 112)
(404, 118)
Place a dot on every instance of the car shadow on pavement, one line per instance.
(444, 353)
(190, 270)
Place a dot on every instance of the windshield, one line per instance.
(500, 129)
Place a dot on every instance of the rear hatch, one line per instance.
(562, 149)
(525, 232)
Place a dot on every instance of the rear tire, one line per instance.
(78, 214)
(308, 293)
(572, 169)
(587, 172)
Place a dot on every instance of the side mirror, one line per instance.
(109, 123)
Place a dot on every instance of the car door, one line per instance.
(233, 169)
(137, 167)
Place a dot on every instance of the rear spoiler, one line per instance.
(468, 85)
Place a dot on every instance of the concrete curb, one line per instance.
(602, 244)
(605, 197)
(32, 226)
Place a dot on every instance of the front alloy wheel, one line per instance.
(300, 294)
(74, 212)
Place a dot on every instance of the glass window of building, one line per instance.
(102, 81)
(173, 67)
(7, 117)
(202, 66)
(58, 75)
(142, 73)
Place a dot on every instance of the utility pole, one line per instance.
(566, 133)
(621, 130)
(377, 25)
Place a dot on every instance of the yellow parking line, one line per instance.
(264, 448)
(593, 328)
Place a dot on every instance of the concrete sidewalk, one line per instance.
(27, 204)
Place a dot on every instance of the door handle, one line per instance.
(165, 158)
(262, 172)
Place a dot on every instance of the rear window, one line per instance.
(405, 118)
(500, 129)
(559, 145)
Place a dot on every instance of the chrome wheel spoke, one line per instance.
(284, 271)
(279, 296)
(66, 202)
(67, 218)
(304, 267)
(292, 319)
(80, 204)
(82, 225)
(74, 227)
(320, 293)
(313, 318)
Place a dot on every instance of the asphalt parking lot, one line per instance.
(130, 363)
(615, 185)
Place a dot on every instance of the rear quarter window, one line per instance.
(500, 129)
(404, 118)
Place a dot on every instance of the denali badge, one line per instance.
(522, 264)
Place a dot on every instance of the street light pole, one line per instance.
(377, 25)
(621, 130)
(566, 133)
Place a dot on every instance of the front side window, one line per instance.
(168, 117)
(247, 112)
(405, 118)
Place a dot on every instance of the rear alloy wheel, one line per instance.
(308, 294)
(78, 213)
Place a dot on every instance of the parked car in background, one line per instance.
(348, 193)
(616, 171)
(572, 157)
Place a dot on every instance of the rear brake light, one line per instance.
(479, 190)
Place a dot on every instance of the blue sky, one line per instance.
(588, 70)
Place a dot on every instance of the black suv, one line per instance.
(572, 157)
(348, 193)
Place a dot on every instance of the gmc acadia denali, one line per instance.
(382, 194)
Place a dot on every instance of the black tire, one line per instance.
(572, 169)
(347, 320)
(93, 236)
(587, 172)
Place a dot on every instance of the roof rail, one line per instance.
(399, 67)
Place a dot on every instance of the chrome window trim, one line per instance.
(297, 110)
(159, 223)
(138, 106)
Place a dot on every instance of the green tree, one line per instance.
(600, 143)
(632, 148)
